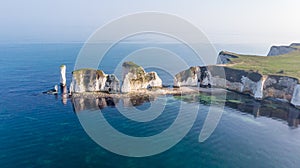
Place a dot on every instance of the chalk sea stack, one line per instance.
(63, 79)
(92, 80)
(135, 78)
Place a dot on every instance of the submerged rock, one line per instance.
(91, 80)
(52, 91)
(135, 78)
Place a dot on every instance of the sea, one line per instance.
(42, 130)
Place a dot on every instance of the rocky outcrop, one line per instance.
(280, 87)
(194, 76)
(280, 50)
(247, 82)
(224, 57)
(135, 78)
(222, 77)
(90, 80)
(296, 96)
(63, 80)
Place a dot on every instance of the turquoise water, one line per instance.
(38, 130)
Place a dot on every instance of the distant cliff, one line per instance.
(281, 50)
(224, 57)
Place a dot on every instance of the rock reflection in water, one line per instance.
(89, 103)
(268, 108)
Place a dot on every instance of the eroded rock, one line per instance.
(63, 80)
(281, 87)
(296, 96)
(135, 78)
(224, 57)
(194, 76)
(247, 82)
(91, 80)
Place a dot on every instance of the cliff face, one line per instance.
(90, 80)
(195, 76)
(281, 87)
(280, 50)
(296, 96)
(135, 78)
(222, 77)
(224, 57)
(247, 82)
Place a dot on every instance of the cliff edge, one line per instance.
(281, 50)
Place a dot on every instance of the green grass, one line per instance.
(285, 65)
(78, 71)
(134, 68)
(130, 64)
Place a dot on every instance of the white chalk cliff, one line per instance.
(91, 80)
(135, 78)
(247, 82)
(194, 76)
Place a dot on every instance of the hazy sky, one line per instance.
(223, 21)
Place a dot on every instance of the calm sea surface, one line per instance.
(38, 130)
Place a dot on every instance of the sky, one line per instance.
(222, 21)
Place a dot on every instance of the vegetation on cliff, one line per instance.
(283, 65)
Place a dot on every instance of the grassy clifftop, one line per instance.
(286, 65)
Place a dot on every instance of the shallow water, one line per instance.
(38, 130)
